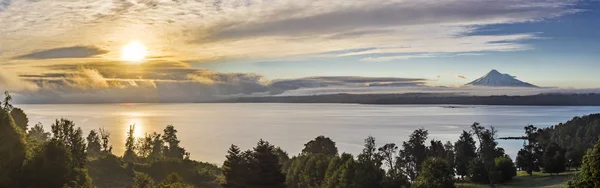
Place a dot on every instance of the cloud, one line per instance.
(12, 82)
(68, 52)
(279, 86)
(461, 77)
(255, 29)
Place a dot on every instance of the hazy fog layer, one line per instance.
(207, 130)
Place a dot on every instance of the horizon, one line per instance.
(203, 51)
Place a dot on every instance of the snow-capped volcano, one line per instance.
(497, 79)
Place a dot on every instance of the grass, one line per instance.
(523, 179)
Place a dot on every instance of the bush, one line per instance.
(436, 172)
(506, 168)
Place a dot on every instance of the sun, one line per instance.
(134, 52)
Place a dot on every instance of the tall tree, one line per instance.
(170, 137)
(105, 136)
(414, 152)
(450, 156)
(435, 173)
(157, 146)
(554, 159)
(506, 167)
(64, 131)
(465, 150)
(368, 166)
(235, 169)
(266, 166)
(321, 144)
(129, 154)
(144, 146)
(93, 143)
(487, 149)
(12, 150)
(436, 149)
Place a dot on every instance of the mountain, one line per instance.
(497, 79)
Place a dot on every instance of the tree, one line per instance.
(105, 136)
(321, 144)
(266, 167)
(450, 155)
(93, 143)
(589, 177)
(554, 159)
(144, 146)
(436, 149)
(368, 172)
(465, 150)
(55, 166)
(173, 180)
(284, 158)
(20, 118)
(173, 151)
(157, 146)
(235, 168)
(64, 130)
(532, 153)
(307, 170)
(6, 106)
(574, 157)
(12, 150)
(487, 149)
(414, 153)
(142, 180)
(129, 154)
(435, 173)
(388, 154)
(37, 133)
(506, 168)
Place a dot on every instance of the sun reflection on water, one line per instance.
(137, 119)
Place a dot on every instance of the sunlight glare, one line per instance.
(134, 52)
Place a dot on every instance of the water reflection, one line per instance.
(138, 120)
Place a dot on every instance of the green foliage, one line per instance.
(6, 106)
(506, 169)
(436, 172)
(142, 180)
(173, 151)
(554, 159)
(307, 170)
(109, 171)
(266, 167)
(20, 118)
(487, 149)
(395, 176)
(93, 144)
(38, 134)
(574, 158)
(413, 153)
(173, 181)
(590, 169)
(368, 166)
(12, 150)
(478, 173)
(64, 131)
(144, 146)
(321, 145)
(55, 166)
(436, 149)
(578, 135)
(338, 166)
(465, 150)
(236, 168)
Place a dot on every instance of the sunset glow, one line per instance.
(134, 52)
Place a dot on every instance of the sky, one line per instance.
(197, 50)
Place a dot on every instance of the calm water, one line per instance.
(207, 130)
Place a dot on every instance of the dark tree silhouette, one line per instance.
(465, 150)
(235, 168)
(487, 149)
(266, 166)
(12, 150)
(321, 144)
(414, 152)
(506, 167)
(93, 143)
(64, 131)
(129, 154)
(554, 159)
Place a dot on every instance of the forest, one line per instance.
(63, 157)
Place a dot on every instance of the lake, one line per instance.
(207, 130)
